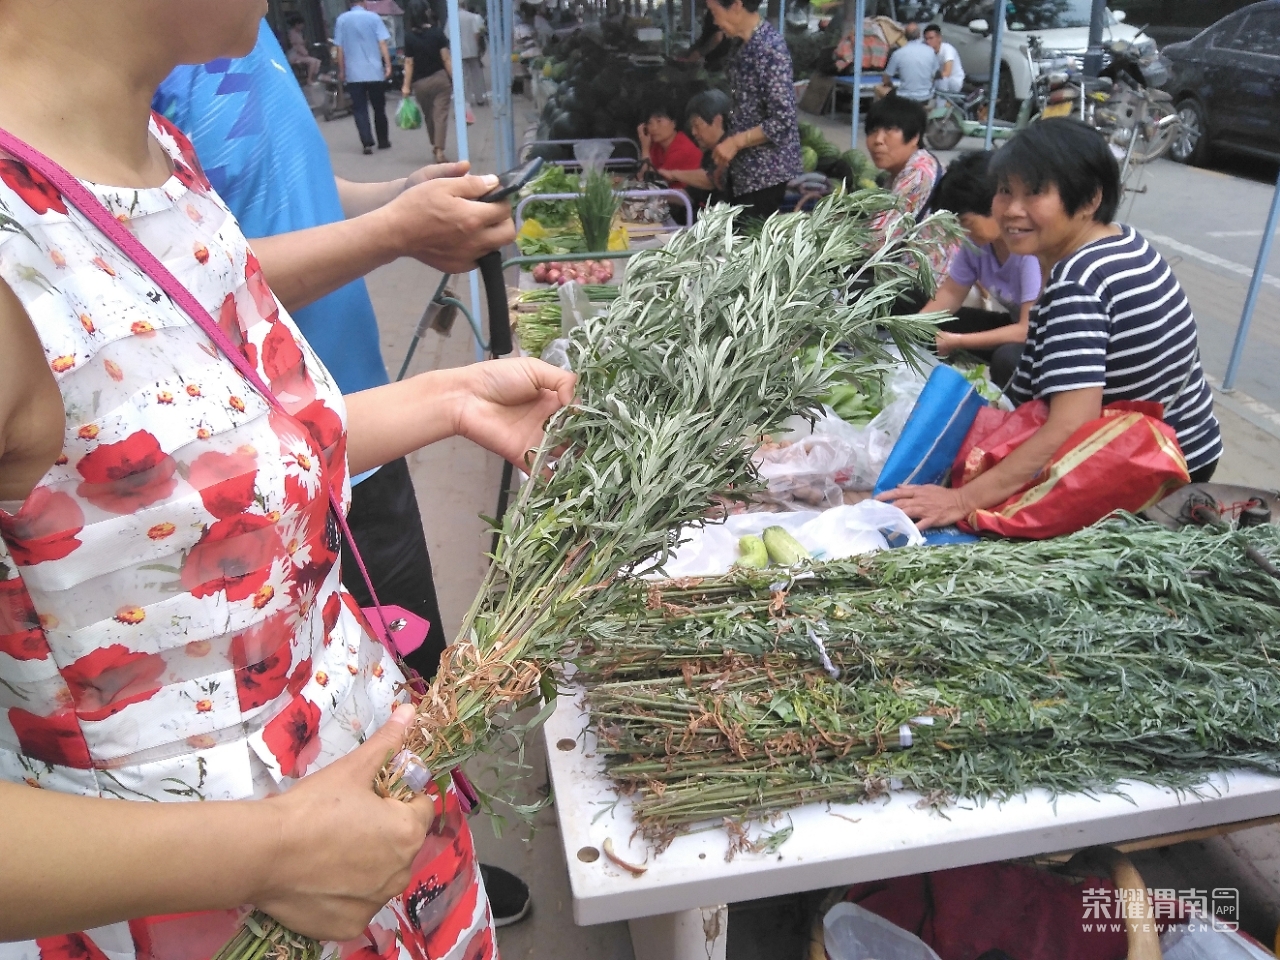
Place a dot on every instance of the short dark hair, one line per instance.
(897, 113)
(966, 187)
(933, 28)
(751, 6)
(659, 108)
(708, 105)
(1063, 153)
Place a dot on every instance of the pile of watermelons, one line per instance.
(817, 153)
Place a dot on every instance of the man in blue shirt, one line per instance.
(914, 66)
(364, 65)
(316, 237)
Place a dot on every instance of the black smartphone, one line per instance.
(513, 180)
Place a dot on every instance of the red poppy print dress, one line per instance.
(172, 625)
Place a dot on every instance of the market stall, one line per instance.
(822, 698)
(667, 897)
(688, 776)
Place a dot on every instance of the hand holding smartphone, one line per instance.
(513, 181)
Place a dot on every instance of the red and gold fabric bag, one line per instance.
(1127, 459)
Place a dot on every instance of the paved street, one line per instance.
(1208, 224)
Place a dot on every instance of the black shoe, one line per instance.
(385, 146)
(508, 895)
(368, 150)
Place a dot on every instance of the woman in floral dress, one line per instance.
(761, 148)
(172, 625)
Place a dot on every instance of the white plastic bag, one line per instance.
(592, 154)
(575, 307)
(1198, 941)
(811, 466)
(851, 932)
(804, 466)
(556, 353)
(844, 531)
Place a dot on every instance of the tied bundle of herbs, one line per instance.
(597, 205)
(701, 355)
(1125, 651)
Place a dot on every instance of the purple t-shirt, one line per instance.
(1013, 283)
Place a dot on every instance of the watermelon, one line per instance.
(808, 159)
(562, 126)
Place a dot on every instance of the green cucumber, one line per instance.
(784, 549)
(752, 553)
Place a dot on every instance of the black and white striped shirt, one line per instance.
(1113, 315)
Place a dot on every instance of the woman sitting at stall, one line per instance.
(895, 128)
(1112, 323)
(666, 151)
(1009, 282)
(762, 148)
(708, 112)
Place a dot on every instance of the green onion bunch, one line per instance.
(597, 205)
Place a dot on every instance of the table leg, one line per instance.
(689, 935)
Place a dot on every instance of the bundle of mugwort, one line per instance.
(702, 354)
(1123, 652)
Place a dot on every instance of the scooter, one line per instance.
(1136, 115)
(953, 116)
(956, 115)
(337, 102)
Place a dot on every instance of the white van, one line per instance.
(1061, 25)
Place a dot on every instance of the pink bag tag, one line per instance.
(402, 631)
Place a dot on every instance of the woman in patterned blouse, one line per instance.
(762, 149)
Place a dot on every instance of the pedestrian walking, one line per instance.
(471, 28)
(428, 77)
(364, 65)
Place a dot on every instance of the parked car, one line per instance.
(1172, 21)
(1226, 86)
(1061, 25)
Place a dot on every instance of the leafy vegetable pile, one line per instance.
(537, 327)
(699, 357)
(1122, 651)
(551, 214)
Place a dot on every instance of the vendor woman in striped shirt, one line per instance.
(1112, 323)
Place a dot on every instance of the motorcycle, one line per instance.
(1125, 104)
(956, 115)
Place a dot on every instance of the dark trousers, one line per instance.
(1002, 360)
(1204, 474)
(385, 522)
(364, 95)
(761, 204)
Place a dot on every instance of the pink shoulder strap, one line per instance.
(92, 208)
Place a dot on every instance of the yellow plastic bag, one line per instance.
(532, 230)
(618, 238)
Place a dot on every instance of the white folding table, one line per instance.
(677, 907)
